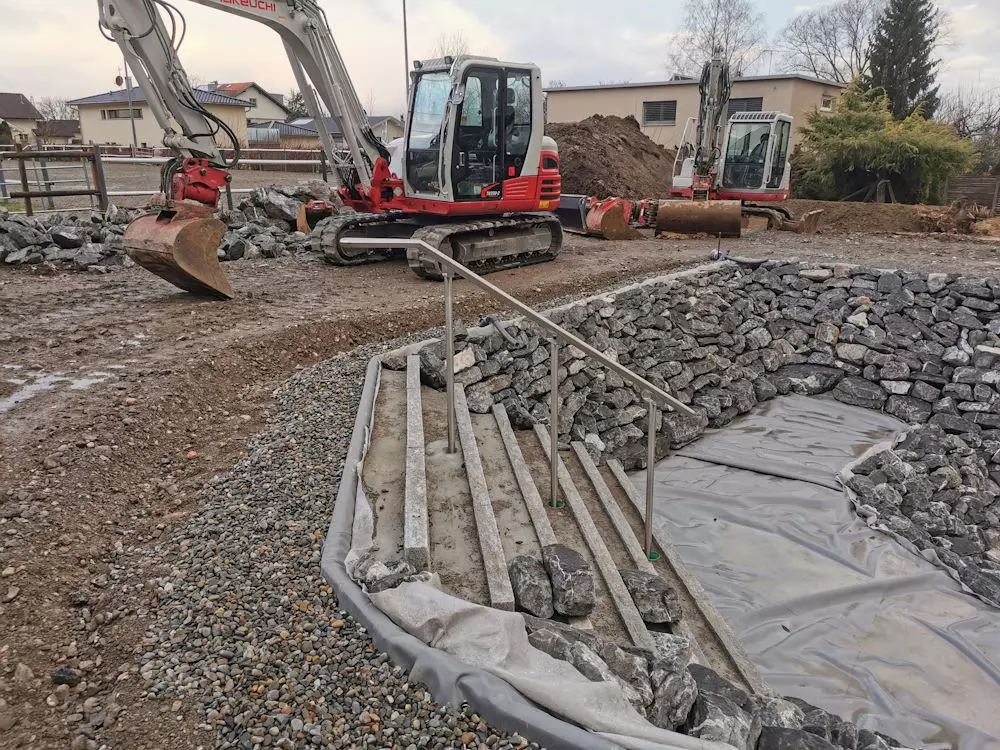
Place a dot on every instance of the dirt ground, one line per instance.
(121, 396)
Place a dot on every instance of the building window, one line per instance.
(826, 104)
(749, 104)
(120, 114)
(253, 101)
(659, 113)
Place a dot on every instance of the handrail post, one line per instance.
(651, 415)
(554, 501)
(449, 325)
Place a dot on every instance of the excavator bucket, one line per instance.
(610, 219)
(312, 213)
(700, 217)
(180, 244)
(808, 223)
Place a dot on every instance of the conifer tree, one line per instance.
(903, 63)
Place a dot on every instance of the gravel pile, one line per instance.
(245, 626)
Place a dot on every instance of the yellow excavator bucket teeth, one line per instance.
(180, 245)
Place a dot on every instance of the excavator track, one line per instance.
(490, 245)
(327, 234)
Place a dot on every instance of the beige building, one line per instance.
(663, 109)
(263, 105)
(21, 115)
(386, 127)
(105, 118)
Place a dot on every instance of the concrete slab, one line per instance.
(626, 608)
(494, 561)
(416, 533)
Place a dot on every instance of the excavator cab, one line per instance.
(755, 163)
(476, 135)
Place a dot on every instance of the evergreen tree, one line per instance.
(902, 56)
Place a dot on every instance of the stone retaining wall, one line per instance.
(924, 348)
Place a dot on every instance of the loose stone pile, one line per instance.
(88, 241)
(263, 225)
(674, 693)
(924, 348)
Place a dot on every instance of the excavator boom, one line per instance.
(178, 243)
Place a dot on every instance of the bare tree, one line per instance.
(52, 108)
(735, 27)
(833, 41)
(453, 44)
(974, 111)
(558, 83)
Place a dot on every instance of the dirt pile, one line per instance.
(610, 157)
(841, 217)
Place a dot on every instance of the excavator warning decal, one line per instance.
(493, 192)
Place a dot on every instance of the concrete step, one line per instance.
(454, 538)
(517, 529)
(529, 490)
(611, 511)
(606, 565)
(385, 489)
(494, 561)
(416, 533)
(715, 645)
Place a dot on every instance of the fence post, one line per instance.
(41, 163)
(23, 169)
(4, 195)
(98, 168)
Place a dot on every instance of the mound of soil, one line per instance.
(841, 217)
(610, 157)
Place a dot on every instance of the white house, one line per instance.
(264, 106)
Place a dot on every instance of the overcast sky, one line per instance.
(53, 48)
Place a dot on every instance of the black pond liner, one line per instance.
(830, 610)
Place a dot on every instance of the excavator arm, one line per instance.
(198, 170)
(179, 242)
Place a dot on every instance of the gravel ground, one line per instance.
(245, 628)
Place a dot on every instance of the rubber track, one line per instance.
(440, 235)
(326, 238)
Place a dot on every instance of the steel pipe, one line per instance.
(554, 426)
(454, 267)
(651, 415)
(449, 325)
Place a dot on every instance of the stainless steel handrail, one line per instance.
(647, 390)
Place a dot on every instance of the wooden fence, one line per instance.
(984, 191)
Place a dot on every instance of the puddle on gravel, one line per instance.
(31, 383)
(831, 611)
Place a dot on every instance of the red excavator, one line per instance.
(474, 175)
(727, 172)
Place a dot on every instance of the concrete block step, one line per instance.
(529, 490)
(501, 593)
(634, 626)
(416, 532)
(612, 511)
(715, 645)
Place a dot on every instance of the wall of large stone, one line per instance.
(925, 348)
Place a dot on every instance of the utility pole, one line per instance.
(406, 56)
(131, 111)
